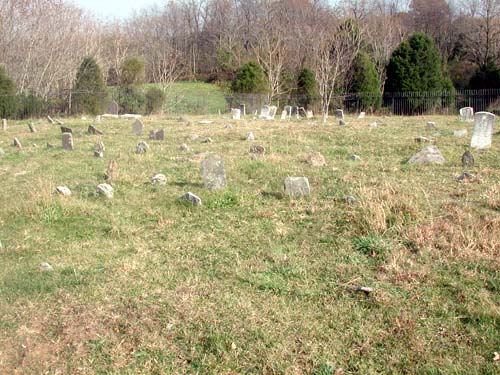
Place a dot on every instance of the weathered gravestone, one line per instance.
(288, 110)
(4, 124)
(428, 155)
(64, 129)
(243, 111)
(99, 149)
(339, 114)
(264, 112)
(250, 136)
(316, 159)
(297, 186)
(483, 130)
(235, 113)
(63, 190)
(467, 114)
(302, 112)
(309, 114)
(361, 115)
(17, 143)
(113, 108)
(105, 189)
(214, 174)
(431, 125)
(67, 141)
(295, 111)
(159, 179)
(159, 135)
(93, 130)
(137, 127)
(191, 198)
(141, 148)
(272, 112)
(257, 150)
(283, 115)
(467, 160)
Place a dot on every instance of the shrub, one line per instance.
(90, 91)
(8, 102)
(131, 99)
(249, 79)
(154, 100)
(306, 87)
(133, 71)
(365, 81)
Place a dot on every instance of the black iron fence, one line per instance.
(411, 103)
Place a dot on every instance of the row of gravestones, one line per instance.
(269, 112)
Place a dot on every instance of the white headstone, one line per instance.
(264, 112)
(272, 112)
(309, 114)
(283, 115)
(361, 115)
(4, 124)
(236, 113)
(467, 114)
(214, 174)
(483, 130)
(297, 186)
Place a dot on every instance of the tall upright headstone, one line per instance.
(67, 141)
(4, 124)
(113, 108)
(339, 114)
(467, 114)
(243, 110)
(483, 130)
(214, 174)
(137, 127)
(235, 113)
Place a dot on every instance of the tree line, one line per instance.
(303, 47)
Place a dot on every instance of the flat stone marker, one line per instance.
(460, 133)
(428, 155)
(64, 129)
(264, 112)
(141, 148)
(205, 122)
(257, 150)
(4, 124)
(17, 143)
(243, 111)
(32, 128)
(67, 141)
(105, 189)
(339, 114)
(93, 130)
(63, 190)
(361, 115)
(235, 113)
(467, 160)
(130, 116)
(191, 198)
(297, 187)
(214, 174)
(159, 179)
(355, 157)
(137, 127)
(467, 114)
(483, 130)
(113, 108)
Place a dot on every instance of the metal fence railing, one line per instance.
(70, 103)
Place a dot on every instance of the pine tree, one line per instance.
(8, 100)
(365, 82)
(249, 79)
(306, 87)
(90, 91)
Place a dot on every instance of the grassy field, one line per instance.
(252, 282)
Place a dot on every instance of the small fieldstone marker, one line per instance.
(67, 141)
(460, 133)
(106, 190)
(160, 135)
(431, 125)
(465, 177)
(250, 136)
(191, 198)
(45, 267)
(257, 150)
(214, 174)
(206, 140)
(64, 129)
(159, 179)
(63, 190)
(421, 139)
(137, 127)
(428, 155)
(17, 143)
(93, 130)
(113, 108)
(194, 137)
(316, 159)
(349, 199)
(184, 147)
(297, 186)
(342, 122)
(467, 160)
(355, 157)
(32, 128)
(141, 148)
(112, 172)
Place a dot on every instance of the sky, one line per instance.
(114, 8)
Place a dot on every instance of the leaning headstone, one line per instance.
(51, 121)
(483, 130)
(67, 141)
(361, 115)
(4, 124)
(235, 113)
(316, 159)
(113, 108)
(250, 136)
(460, 133)
(105, 189)
(59, 122)
(137, 127)
(17, 143)
(31, 127)
(63, 190)
(428, 155)
(64, 129)
(467, 114)
(92, 130)
(467, 160)
(112, 172)
(191, 198)
(160, 135)
(242, 110)
(297, 186)
(342, 122)
(339, 114)
(257, 150)
(159, 179)
(141, 148)
(214, 174)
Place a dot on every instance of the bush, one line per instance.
(249, 79)
(90, 91)
(8, 102)
(306, 87)
(155, 98)
(133, 71)
(365, 82)
(131, 99)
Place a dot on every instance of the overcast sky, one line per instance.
(114, 8)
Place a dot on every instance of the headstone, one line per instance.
(361, 115)
(67, 141)
(297, 186)
(272, 112)
(349, 199)
(288, 110)
(460, 133)
(431, 125)
(105, 189)
(66, 130)
(141, 148)
(467, 114)
(316, 159)
(17, 143)
(113, 108)
(355, 157)
(112, 172)
(184, 147)
(159, 179)
(235, 113)
(467, 160)
(97, 118)
(428, 155)
(243, 110)
(92, 130)
(257, 150)
(264, 112)
(51, 121)
(283, 115)
(309, 114)
(45, 267)
(151, 135)
(342, 122)
(63, 190)
(206, 140)
(302, 112)
(205, 122)
(137, 127)
(160, 135)
(250, 136)
(4, 124)
(465, 177)
(483, 130)
(295, 111)
(339, 114)
(421, 139)
(191, 198)
(214, 175)
(99, 149)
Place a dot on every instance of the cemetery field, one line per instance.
(252, 281)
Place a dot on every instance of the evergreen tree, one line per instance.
(365, 82)
(249, 79)
(89, 88)
(306, 87)
(8, 100)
